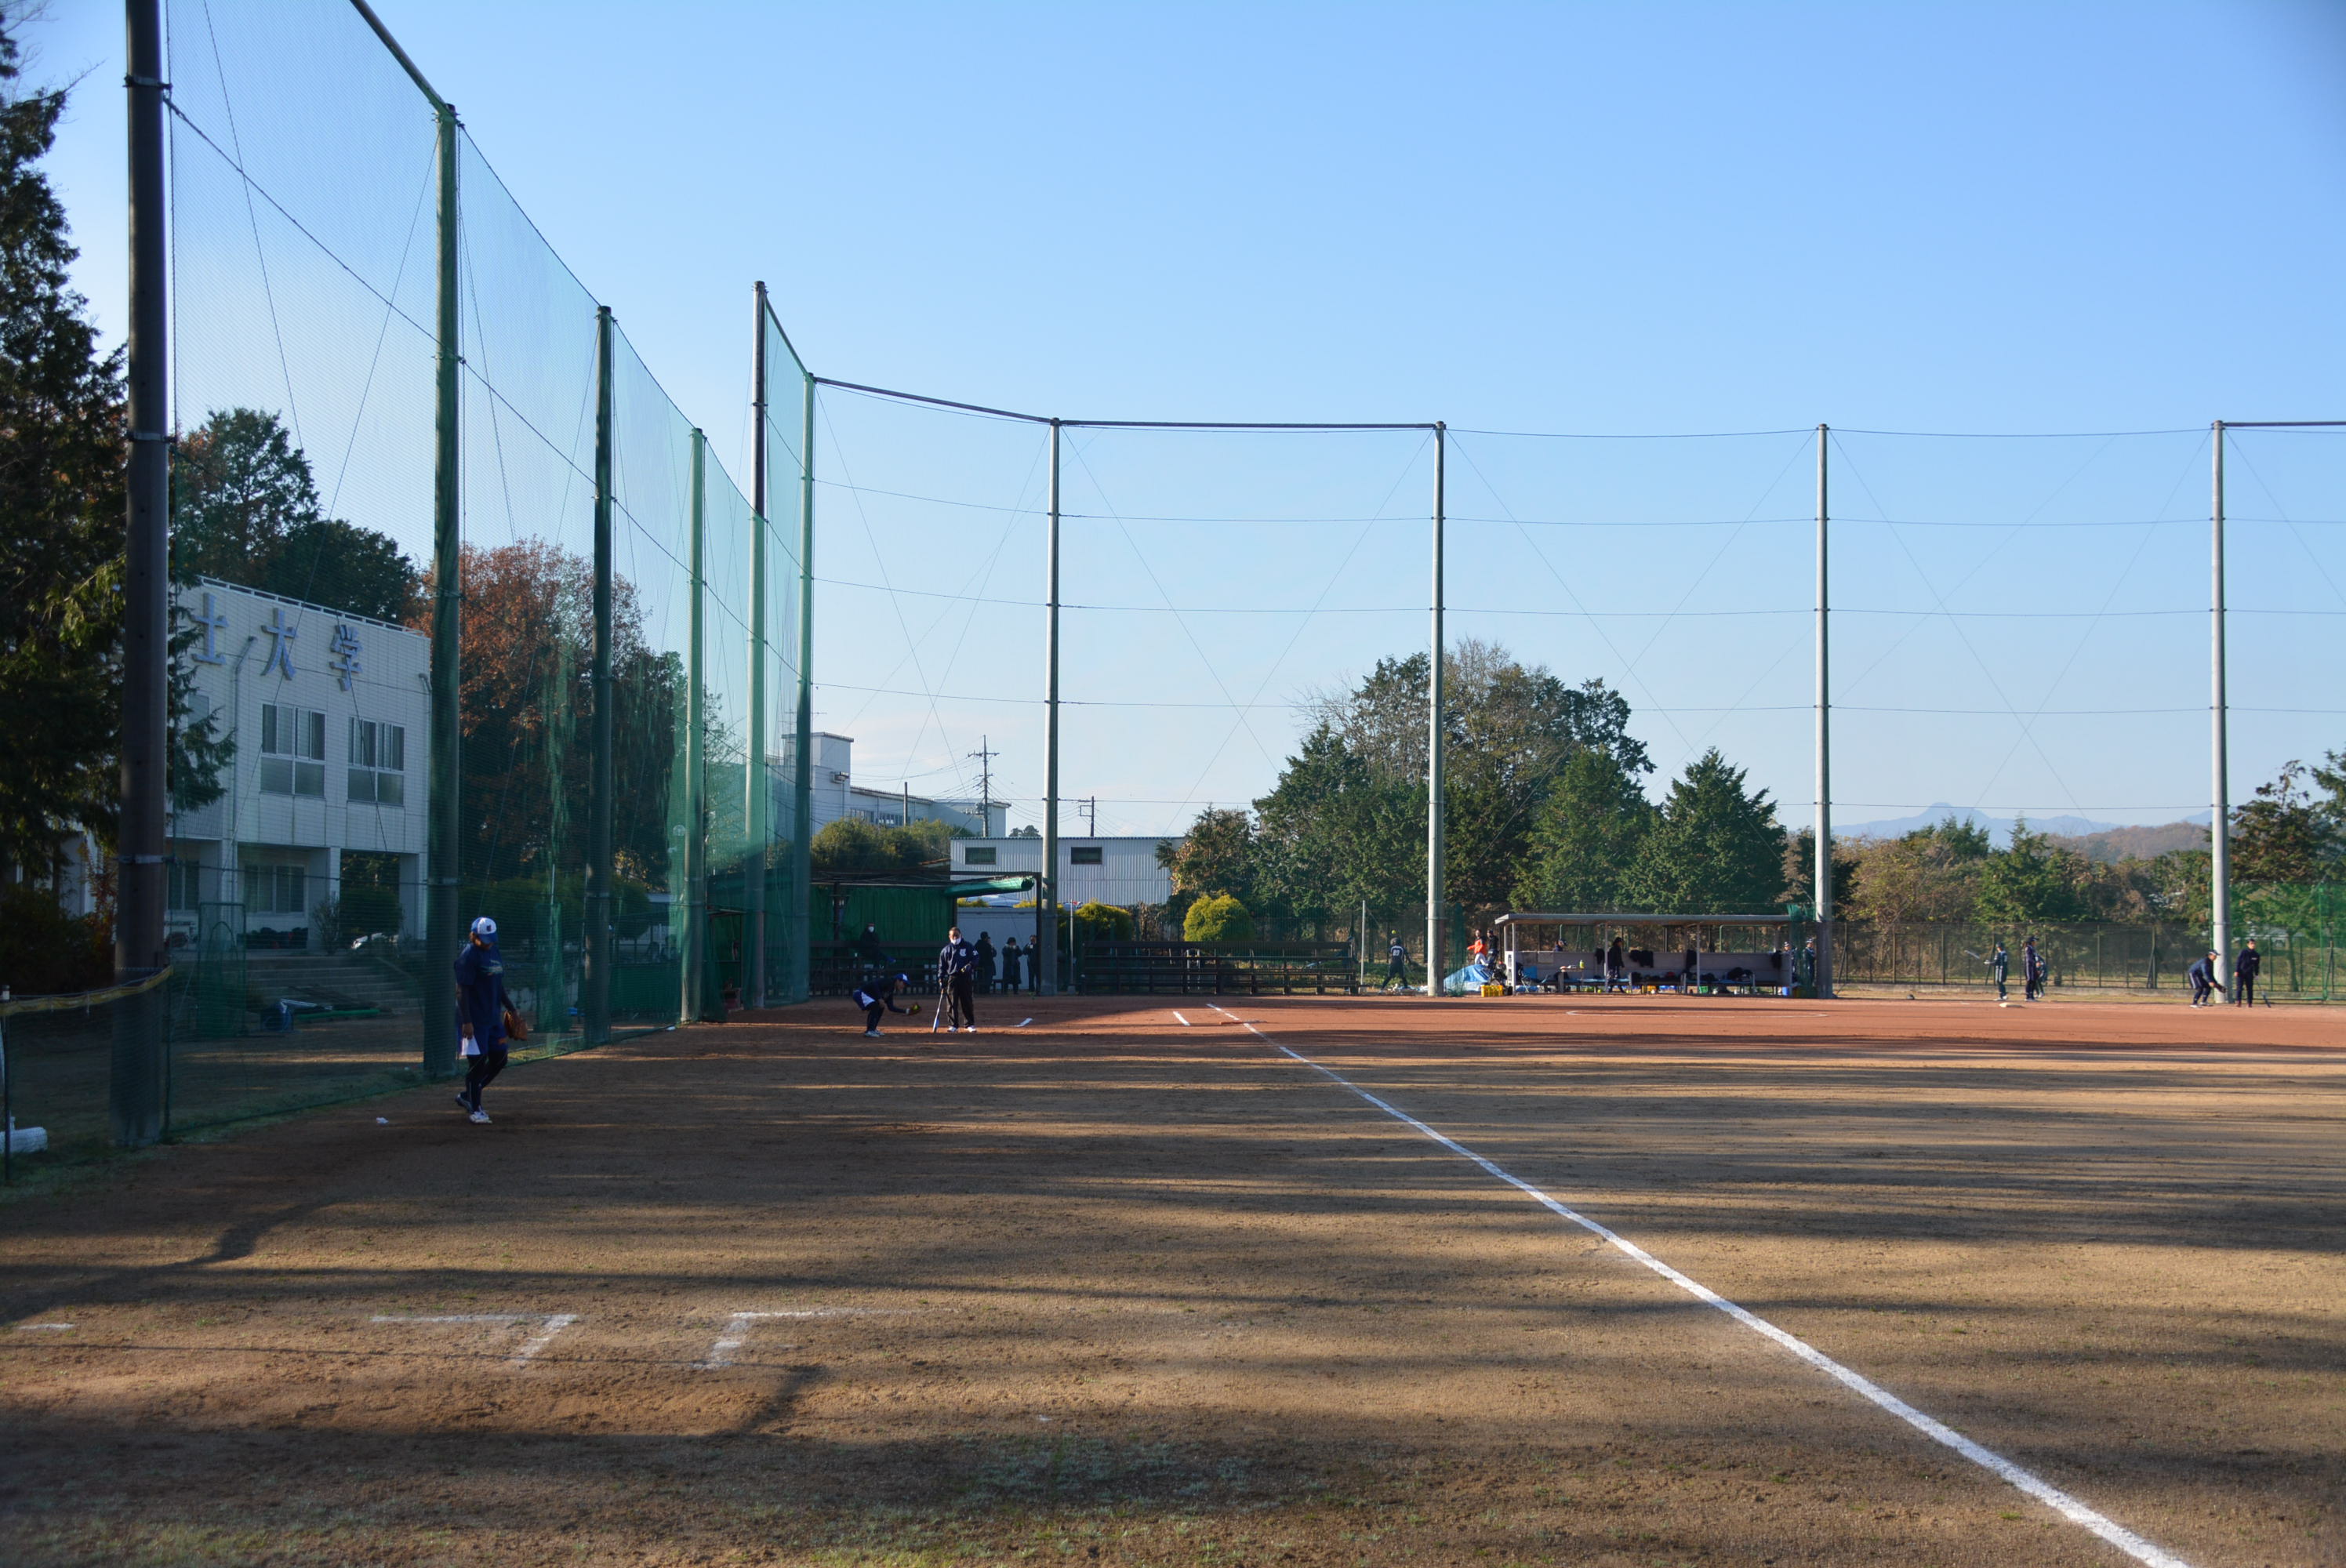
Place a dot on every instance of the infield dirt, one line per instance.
(1118, 1290)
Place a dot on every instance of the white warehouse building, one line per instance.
(1122, 871)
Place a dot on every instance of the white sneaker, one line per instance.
(971, 1030)
(482, 1117)
(871, 1034)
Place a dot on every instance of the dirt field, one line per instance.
(1116, 1289)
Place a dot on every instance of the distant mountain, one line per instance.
(2138, 843)
(2079, 832)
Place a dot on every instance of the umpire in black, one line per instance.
(957, 975)
(2245, 970)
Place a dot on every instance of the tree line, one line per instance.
(1548, 807)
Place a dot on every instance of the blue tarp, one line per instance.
(1473, 977)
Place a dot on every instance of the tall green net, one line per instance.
(621, 794)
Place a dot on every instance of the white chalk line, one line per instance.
(737, 1331)
(44, 1327)
(551, 1324)
(2045, 1492)
(1185, 1022)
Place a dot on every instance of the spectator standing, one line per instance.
(2204, 979)
(871, 953)
(2028, 970)
(956, 967)
(1010, 967)
(984, 964)
(1616, 967)
(481, 1008)
(2245, 970)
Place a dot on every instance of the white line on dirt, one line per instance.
(1987, 1459)
(1185, 1022)
(737, 1330)
(553, 1324)
(43, 1327)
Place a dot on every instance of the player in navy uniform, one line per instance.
(876, 995)
(480, 1014)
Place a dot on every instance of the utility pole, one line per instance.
(1091, 815)
(985, 756)
(140, 1068)
(1434, 803)
(2219, 838)
(1046, 902)
(1824, 889)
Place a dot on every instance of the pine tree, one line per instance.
(1718, 848)
(61, 508)
(1586, 838)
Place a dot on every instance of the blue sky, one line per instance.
(2073, 218)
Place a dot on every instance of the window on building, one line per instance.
(1083, 855)
(378, 763)
(978, 856)
(275, 890)
(292, 750)
(182, 886)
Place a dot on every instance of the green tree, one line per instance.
(2034, 879)
(1931, 873)
(852, 844)
(1215, 856)
(245, 509)
(1097, 921)
(1718, 848)
(2283, 834)
(61, 507)
(1333, 833)
(1508, 731)
(1587, 837)
(1219, 919)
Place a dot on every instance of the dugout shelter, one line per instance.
(1752, 955)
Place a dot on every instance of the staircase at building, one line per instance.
(336, 978)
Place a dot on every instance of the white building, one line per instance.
(835, 794)
(1121, 872)
(330, 714)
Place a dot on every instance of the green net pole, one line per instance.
(1434, 822)
(601, 798)
(696, 738)
(755, 813)
(443, 916)
(801, 955)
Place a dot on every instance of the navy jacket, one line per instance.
(955, 958)
(2248, 962)
(481, 995)
(2204, 974)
